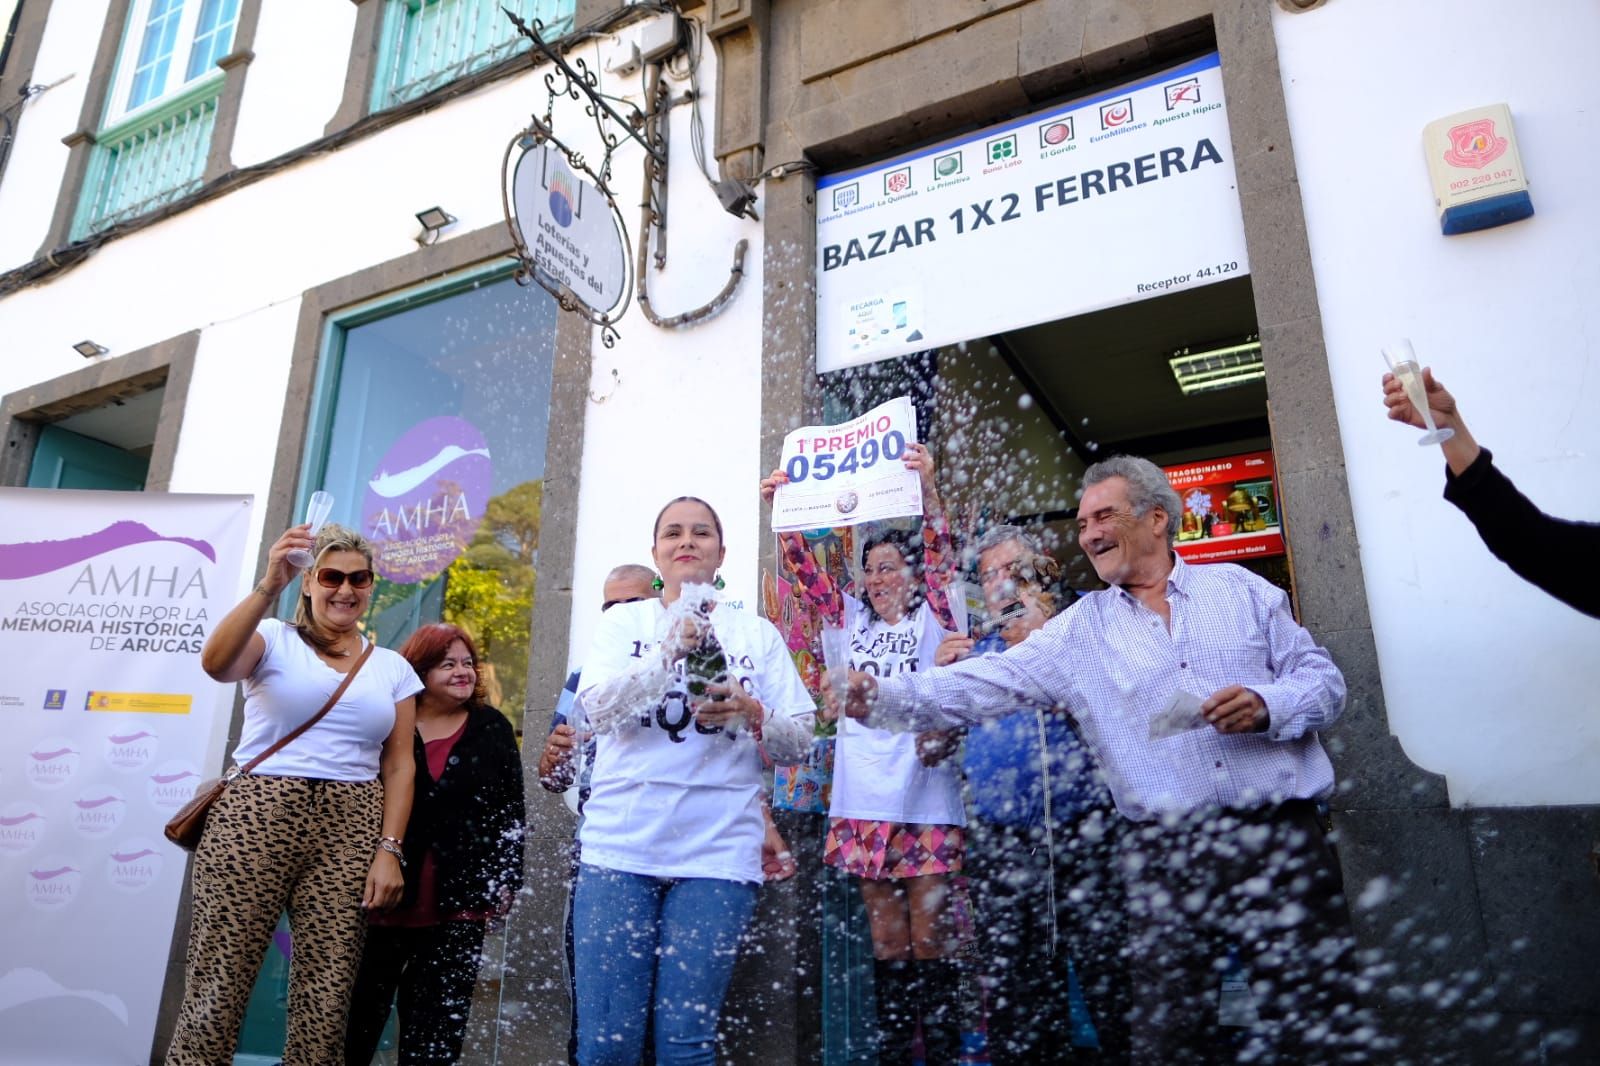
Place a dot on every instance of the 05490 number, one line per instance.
(864, 456)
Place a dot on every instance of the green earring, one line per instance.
(657, 584)
(719, 584)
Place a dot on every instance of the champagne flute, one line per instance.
(1402, 362)
(317, 511)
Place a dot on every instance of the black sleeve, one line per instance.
(1557, 555)
(513, 809)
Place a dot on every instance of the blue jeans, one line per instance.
(673, 939)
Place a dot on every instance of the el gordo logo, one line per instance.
(98, 811)
(51, 763)
(21, 825)
(172, 785)
(52, 883)
(132, 750)
(134, 865)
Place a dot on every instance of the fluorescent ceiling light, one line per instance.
(1217, 368)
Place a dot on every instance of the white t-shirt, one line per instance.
(290, 684)
(670, 799)
(876, 772)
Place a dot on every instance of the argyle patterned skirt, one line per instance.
(886, 851)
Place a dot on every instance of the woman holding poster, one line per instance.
(316, 828)
(673, 826)
(896, 816)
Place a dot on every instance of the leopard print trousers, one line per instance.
(273, 844)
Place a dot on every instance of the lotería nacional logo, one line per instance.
(55, 699)
(52, 883)
(134, 865)
(98, 811)
(21, 825)
(1116, 113)
(897, 181)
(51, 763)
(847, 502)
(132, 750)
(1001, 149)
(172, 785)
(846, 196)
(1474, 144)
(947, 166)
(1056, 132)
(1183, 93)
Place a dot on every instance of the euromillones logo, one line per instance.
(1183, 93)
(1116, 113)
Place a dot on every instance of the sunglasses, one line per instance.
(329, 578)
(606, 606)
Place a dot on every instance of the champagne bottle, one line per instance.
(705, 665)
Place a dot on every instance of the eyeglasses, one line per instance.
(1017, 572)
(329, 578)
(606, 606)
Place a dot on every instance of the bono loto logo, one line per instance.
(21, 825)
(98, 811)
(51, 763)
(52, 884)
(132, 750)
(172, 785)
(134, 865)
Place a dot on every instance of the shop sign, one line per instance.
(1122, 196)
(1230, 509)
(569, 229)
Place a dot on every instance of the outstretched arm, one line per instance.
(818, 590)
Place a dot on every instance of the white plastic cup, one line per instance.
(317, 510)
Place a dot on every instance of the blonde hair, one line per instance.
(330, 538)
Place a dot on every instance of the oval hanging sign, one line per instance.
(426, 499)
(569, 229)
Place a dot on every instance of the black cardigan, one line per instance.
(1557, 555)
(472, 817)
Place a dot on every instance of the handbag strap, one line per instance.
(278, 744)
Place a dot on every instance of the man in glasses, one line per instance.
(1040, 831)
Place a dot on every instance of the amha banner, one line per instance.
(107, 724)
(1121, 196)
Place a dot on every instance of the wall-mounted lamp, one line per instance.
(89, 349)
(1217, 368)
(433, 220)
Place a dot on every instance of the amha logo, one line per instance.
(52, 884)
(98, 811)
(134, 865)
(21, 825)
(131, 751)
(172, 785)
(51, 763)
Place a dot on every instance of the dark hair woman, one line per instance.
(316, 828)
(463, 860)
(673, 827)
(896, 820)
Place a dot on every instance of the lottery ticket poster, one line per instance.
(851, 473)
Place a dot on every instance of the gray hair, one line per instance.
(998, 535)
(632, 571)
(1147, 487)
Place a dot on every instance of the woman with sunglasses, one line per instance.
(463, 860)
(896, 816)
(673, 826)
(317, 829)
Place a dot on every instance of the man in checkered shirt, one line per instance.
(1228, 872)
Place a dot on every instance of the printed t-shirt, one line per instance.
(290, 684)
(670, 798)
(876, 772)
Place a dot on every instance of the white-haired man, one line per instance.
(1228, 866)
